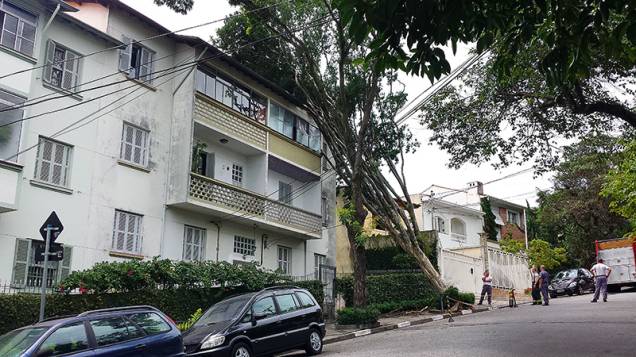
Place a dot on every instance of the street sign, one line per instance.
(56, 253)
(54, 222)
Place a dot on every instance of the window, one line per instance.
(136, 61)
(114, 330)
(203, 163)
(237, 175)
(53, 162)
(304, 299)
(244, 245)
(66, 339)
(232, 95)
(441, 225)
(286, 303)
(17, 28)
(319, 260)
(151, 323)
(264, 307)
(294, 127)
(62, 67)
(193, 244)
(10, 126)
(127, 232)
(513, 217)
(28, 273)
(284, 260)
(324, 210)
(285, 192)
(134, 145)
(458, 228)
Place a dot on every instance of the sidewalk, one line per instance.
(407, 319)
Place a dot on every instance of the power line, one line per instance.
(142, 40)
(168, 71)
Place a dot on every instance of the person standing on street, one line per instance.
(601, 272)
(487, 288)
(545, 281)
(536, 287)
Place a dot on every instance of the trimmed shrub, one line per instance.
(357, 316)
(389, 288)
(409, 305)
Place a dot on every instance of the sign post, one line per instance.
(50, 230)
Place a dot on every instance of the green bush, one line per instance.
(389, 288)
(409, 305)
(356, 316)
(455, 294)
(164, 273)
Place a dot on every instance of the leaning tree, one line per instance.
(354, 105)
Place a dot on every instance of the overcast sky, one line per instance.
(428, 165)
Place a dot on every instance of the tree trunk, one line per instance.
(359, 260)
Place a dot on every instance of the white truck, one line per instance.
(620, 255)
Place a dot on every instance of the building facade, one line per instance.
(151, 145)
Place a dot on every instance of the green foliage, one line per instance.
(389, 288)
(620, 185)
(454, 293)
(136, 275)
(490, 226)
(541, 252)
(357, 315)
(407, 305)
(513, 246)
(348, 217)
(179, 6)
(185, 325)
(389, 258)
(573, 214)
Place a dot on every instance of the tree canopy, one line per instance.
(573, 214)
(620, 185)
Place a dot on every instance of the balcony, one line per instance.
(9, 181)
(236, 203)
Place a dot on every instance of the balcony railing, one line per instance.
(458, 236)
(251, 205)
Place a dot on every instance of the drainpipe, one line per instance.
(57, 9)
(525, 226)
(218, 239)
(263, 243)
(305, 258)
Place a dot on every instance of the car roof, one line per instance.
(60, 320)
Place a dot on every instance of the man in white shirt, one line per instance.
(487, 288)
(601, 272)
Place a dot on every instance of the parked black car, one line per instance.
(123, 332)
(570, 282)
(273, 320)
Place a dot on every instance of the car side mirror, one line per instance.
(258, 316)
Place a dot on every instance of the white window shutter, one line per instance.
(69, 78)
(65, 268)
(125, 56)
(20, 262)
(48, 67)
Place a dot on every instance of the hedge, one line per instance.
(356, 316)
(389, 288)
(18, 310)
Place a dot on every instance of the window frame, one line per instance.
(129, 317)
(280, 262)
(274, 303)
(517, 220)
(67, 159)
(200, 247)
(237, 174)
(321, 259)
(8, 100)
(138, 235)
(294, 299)
(62, 268)
(51, 64)
(19, 33)
(241, 250)
(124, 318)
(284, 187)
(145, 148)
(87, 333)
(440, 228)
(298, 297)
(280, 124)
(133, 70)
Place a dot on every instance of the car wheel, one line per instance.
(570, 293)
(553, 296)
(241, 349)
(314, 343)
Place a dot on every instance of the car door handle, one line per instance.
(140, 346)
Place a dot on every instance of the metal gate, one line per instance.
(327, 275)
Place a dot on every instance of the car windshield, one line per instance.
(15, 343)
(566, 274)
(224, 311)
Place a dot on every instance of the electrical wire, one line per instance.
(145, 39)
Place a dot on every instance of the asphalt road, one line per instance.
(570, 326)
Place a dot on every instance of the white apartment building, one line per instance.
(164, 147)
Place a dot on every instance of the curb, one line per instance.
(399, 325)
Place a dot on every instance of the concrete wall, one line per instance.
(473, 224)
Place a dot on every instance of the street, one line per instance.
(570, 326)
